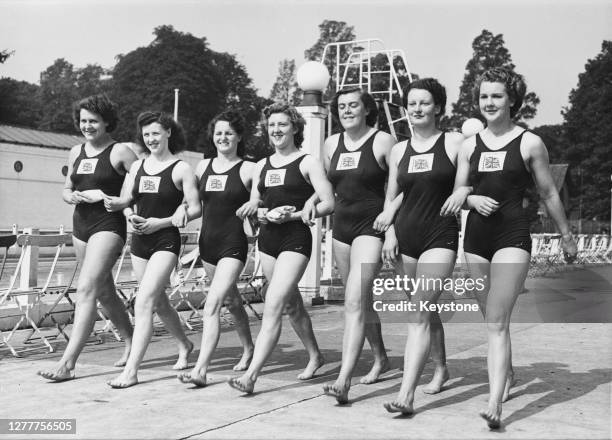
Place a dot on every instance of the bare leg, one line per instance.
(153, 275)
(358, 265)
(224, 277)
(241, 321)
(433, 264)
(480, 268)
(97, 258)
(508, 272)
(302, 325)
(286, 272)
(171, 320)
(438, 355)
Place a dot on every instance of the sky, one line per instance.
(550, 41)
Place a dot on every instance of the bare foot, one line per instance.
(493, 416)
(124, 357)
(437, 381)
(405, 408)
(377, 369)
(312, 367)
(245, 360)
(510, 382)
(124, 380)
(195, 378)
(243, 384)
(61, 374)
(185, 350)
(337, 391)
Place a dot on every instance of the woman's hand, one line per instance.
(76, 197)
(247, 210)
(112, 203)
(135, 220)
(383, 221)
(281, 214)
(390, 249)
(309, 212)
(146, 226)
(483, 205)
(570, 249)
(179, 218)
(93, 195)
(455, 201)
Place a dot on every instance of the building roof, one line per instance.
(37, 138)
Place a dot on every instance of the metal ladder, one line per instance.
(358, 70)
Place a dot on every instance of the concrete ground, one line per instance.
(564, 373)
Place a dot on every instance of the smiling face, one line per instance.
(494, 101)
(155, 137)
(225, 138)
(421, 108)
(92, 125)
(280, 130)
(351, 111)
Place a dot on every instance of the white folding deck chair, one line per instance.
(184, 278)
(27, 299)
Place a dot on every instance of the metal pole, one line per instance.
(176, 97)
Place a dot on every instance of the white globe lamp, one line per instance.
(471, 127)
(312, 78)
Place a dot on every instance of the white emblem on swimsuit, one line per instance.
(87, 166)
(348, 161)
(421, 163)
(149, 184)
(216, 183)
(491, 161)
(275, 177)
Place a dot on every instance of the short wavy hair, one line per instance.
(515, 85)
(433, 86)
(100, 105)
(297, 120)
(366, 98)
(238, 124)
(176, 141)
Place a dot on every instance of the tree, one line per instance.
(208, 81)
(61, 85)
(285, 89)
(93, 79)
(19, 103)
(588, 131)
(56, 95)
(331, 31)
(240, 94)
(489, 51)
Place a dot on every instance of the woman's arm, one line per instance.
(313, 171)
(68, 194)
(537, 157)
(250, 208)
(393, 197)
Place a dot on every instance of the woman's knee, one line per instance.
(147, 304)
(497, 324)
(212, 306)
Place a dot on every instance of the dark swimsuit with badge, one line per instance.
(280, 186)
(222, 232)
(359, 186)
(156, 195)
(96, 172)
(427, 180)
(501, 175)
